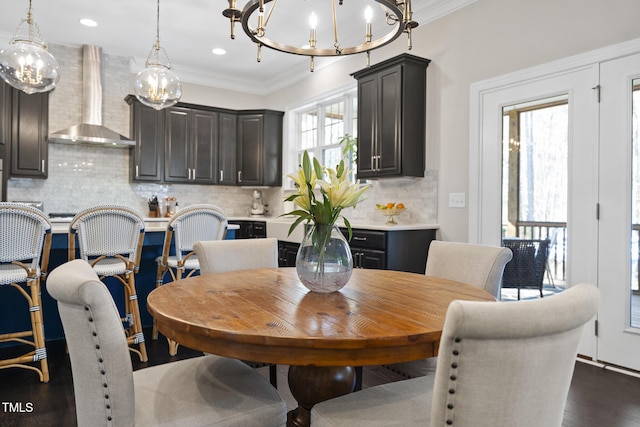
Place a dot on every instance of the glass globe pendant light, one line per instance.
(157, 86)
(26, 64)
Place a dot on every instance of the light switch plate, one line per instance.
(456, 200)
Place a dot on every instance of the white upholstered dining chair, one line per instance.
(206, 390)
(219, 256)
(478, 265)
(499, 364)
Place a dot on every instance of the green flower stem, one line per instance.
(320, 238)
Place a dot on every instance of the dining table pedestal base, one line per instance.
(314, 384)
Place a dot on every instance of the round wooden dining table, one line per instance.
(267, 315)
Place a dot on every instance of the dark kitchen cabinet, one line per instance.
(227, 148)
(259, 148)
(392, 117)
(287, 252)
(191, 145)
(401, 250)
(29, 134)
(147, 129)
(250, 229)
(206, 145)
(5, 113)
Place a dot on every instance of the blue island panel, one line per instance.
(15, 310)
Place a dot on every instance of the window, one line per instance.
(321, 127)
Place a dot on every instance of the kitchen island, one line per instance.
(145, 279)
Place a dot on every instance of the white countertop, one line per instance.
(277, 226)
(61, 225)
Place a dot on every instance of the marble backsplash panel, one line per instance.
(82, 176)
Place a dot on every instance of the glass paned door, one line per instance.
(534, 197)
(618, 321)
(497, 209)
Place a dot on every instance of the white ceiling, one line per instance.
(190, 29)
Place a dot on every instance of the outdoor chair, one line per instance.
(190, 225)
(527, 268)
(25, 241)
(218, 256)
(477, 265)
(110, 238)
(499, 364)
(205, 390)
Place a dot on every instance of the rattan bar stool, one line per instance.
(110, 238)
(192, 224)
(25, 241)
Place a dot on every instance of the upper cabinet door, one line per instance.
(29, 134)
(177, 165)
(259, 148)
(249, 150)
(5, 113)
(227, 149)
(204, 146)
(367, 124)
(147, 129)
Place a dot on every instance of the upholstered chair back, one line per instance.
(477, 265)
(510, 364)
(100, 361)
(219, 256)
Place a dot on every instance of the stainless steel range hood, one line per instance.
(91, 131)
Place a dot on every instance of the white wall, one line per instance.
(483, 40)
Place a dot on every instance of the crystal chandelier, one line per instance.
(396, 15)
(26, 64)
(157, 86)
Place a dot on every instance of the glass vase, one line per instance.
(324, 262)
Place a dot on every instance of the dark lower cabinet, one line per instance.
(401, 250)
(287, 252)
(250, 229)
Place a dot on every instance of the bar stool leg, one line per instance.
(37, 323)
(136, 327)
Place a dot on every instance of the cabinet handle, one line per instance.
(362, 239)
(239, 176)
(221, 175)
(43, 166)
(193, 174)
(137, 172)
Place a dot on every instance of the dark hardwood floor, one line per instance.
(598, 397)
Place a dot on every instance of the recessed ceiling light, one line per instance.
(87, 22)
(218, 51)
